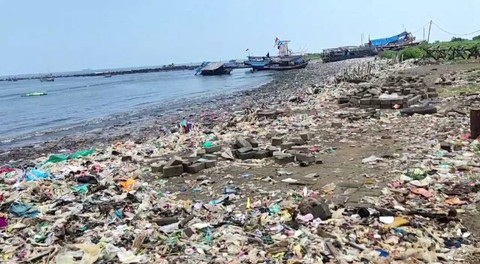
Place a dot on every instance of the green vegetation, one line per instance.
(419, 52)
(407, 53)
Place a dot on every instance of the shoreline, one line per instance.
(161, 119)
(139, 126)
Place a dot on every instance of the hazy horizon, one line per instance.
(63, 36)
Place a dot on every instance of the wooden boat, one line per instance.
(288, 67)
(47, 78)
(215, 68)
(35, 94)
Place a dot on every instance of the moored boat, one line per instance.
(47, 78)
(214, 68)
(36, 94)
(285, 60)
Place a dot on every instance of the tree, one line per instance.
(476, 37)
(454, 39)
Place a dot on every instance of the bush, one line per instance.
(476, 37)
(389, 54)
(413, 53)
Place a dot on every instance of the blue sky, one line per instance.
(60, 35)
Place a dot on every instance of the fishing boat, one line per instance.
(275, 67)
(348, 52)
(36, 94)
(47, 78)
(396, 42)
(285, 60)
(213, 68)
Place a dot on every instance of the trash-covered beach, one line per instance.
(361, 161)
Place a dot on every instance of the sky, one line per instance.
(58, 35)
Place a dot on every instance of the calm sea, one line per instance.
(73, 101)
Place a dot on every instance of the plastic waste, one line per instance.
(23, 210)
(36, 175)
(128, 184)
(3, 222)
(55, 158)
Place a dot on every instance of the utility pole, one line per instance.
(429, 29)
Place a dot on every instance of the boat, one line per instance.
(288, 67)
(213, 68)
(348, 52)
(47, 78)
(396, 42)
(36, 94)
(285, 60)
(108, 75)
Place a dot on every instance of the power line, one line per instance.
(454, 34)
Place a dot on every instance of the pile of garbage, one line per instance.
(117, 204)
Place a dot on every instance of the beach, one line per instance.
(293, 171)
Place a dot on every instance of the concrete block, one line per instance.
(247, 155)
(414, 100)
(287, 145)
(337, 124)
(157, 166)
(244, 149)
(201, 152)
(261, 154)
(174, 161)
(354, 101)
(303, 148)
(171, 171)
(365, 101)
(277, 141)
(343, 100)
(243, 143)
(213, 149)
(210, 157)
(271, 150)
(432, 95)
(282, 158)
(210, 164)
(385, 102)
(196, 167)
(253, 142)
(306, 136)
(305, 158)
(297, 140)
